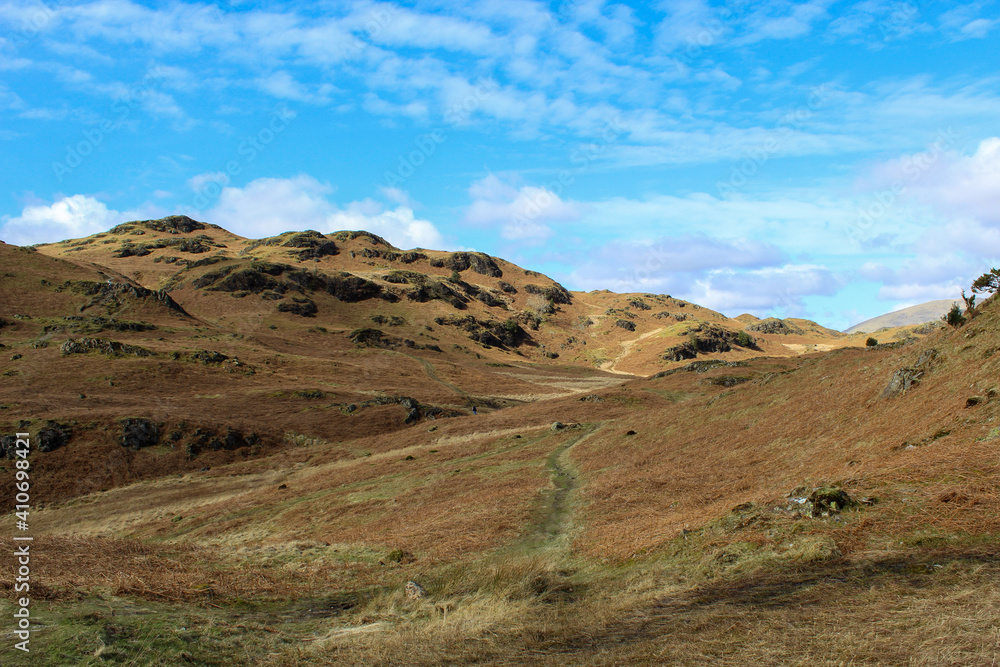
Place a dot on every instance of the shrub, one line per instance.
(743, 339)
(871, 342)
(954, 316)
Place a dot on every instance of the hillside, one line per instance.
(261, 450)
(338, 335)
(930, 311)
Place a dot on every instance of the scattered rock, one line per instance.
(15, 357)
(110, 295)
(369, 337)
(973, 401)
(772, 325)
(726, 380)
(555, 293)
(639, 304)
(208, 357)
(479, 262)
(910, 376)
(52, 437)
(8, 446)
(829, 500)
(557, 426)
(399, 556)
(172, 224)
(302, 307)
(138, 433)
(110, 348)
(415, 591)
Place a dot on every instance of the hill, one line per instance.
(930, 311)
(220, 480)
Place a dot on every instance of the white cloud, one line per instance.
(690, 25)
(732, 276)
(962, 192)
(963, 22)
(959, 185)
(783, 20)
(521, 213)
(270, 206)
(402, 27)
(778, 289)
(67, 218)
(282, 85)
(398, 225)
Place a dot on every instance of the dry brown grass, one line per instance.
(650, 565)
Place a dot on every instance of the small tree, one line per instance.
(954, 316)
(871, 342)
(970, 303)
(988, 282)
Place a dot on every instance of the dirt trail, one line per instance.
(429, 369)
(552, 528)
(611, 366)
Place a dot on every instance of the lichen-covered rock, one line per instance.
(829, 500)
(8, 446)
(555, 293)
(110, 294)
(52, 437)
(772, 325)
(350, 288)
(479, 262)
(908, 376)
(415, 591)
(138, 433)
(111, 348)
(301, 307)
(174, 224)
(410, 257)
(208, 357)
(726, 380)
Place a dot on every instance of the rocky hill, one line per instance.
(265, 451)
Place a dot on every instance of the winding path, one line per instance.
(552, 528)
(611, 366)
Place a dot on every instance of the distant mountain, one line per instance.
(924, 312)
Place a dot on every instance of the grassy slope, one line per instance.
(581, 545)
(675, 544)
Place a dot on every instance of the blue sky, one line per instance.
(829, 160)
